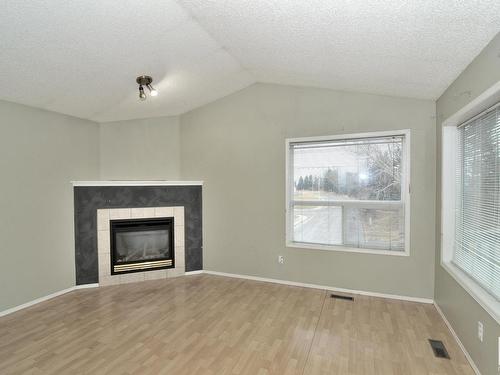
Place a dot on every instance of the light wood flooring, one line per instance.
(208, 324)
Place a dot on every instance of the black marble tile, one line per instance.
(89, 199)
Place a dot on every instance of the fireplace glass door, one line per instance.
(142, 244)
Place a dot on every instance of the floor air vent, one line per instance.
(439, 349)
(338, 296)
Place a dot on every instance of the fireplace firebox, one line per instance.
(139, 245)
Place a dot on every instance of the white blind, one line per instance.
(477, 220)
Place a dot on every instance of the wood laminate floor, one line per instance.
(208, 324)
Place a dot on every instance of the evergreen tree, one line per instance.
(316, 183)
(331, 180)
(307, 183)
(300, 184)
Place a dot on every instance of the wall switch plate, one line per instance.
(480, 331)
(281, 259)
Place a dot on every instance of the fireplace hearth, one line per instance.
(139, 245)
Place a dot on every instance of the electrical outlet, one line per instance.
(281, 259)
(480, 331)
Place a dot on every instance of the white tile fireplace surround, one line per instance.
(104, 216)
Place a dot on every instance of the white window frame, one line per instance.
(405, 192)
(448, 189)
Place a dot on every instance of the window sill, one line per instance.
(303, 245)
(486, 300)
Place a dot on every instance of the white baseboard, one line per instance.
(35, 301)
(324, 287)
(199, 272)
(455, 336)
(86, 286)
(45, 298)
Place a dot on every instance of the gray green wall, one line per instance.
(146, 149)
(237, 146)
(40, 153)
(461, 310)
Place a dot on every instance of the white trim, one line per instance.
(323, 287)
(36, 301)
(136, 183)
(288, 193)
(199, 272)
(406, 186)
(481, 296)
(455, 336)
(357, 203)
(482, 102)
(448, 156)
(313, 246)
(384, 133)
(86, 286)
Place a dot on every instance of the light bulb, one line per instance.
(152, 90)
(142, 95)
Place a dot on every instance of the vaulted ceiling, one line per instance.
(81, 57)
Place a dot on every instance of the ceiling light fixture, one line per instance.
(145, 81)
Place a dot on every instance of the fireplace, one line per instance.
(139, 245)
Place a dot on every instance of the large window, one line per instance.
(349, 193)
(470, 194)
(477, 200)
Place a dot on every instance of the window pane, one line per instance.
(374, 228)
(348, 192)
(477, 219)
(317, 224)
(368, 169)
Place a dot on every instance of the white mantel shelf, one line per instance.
(136, 183)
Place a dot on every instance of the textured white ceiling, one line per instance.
(81, 57)
(412, 48)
